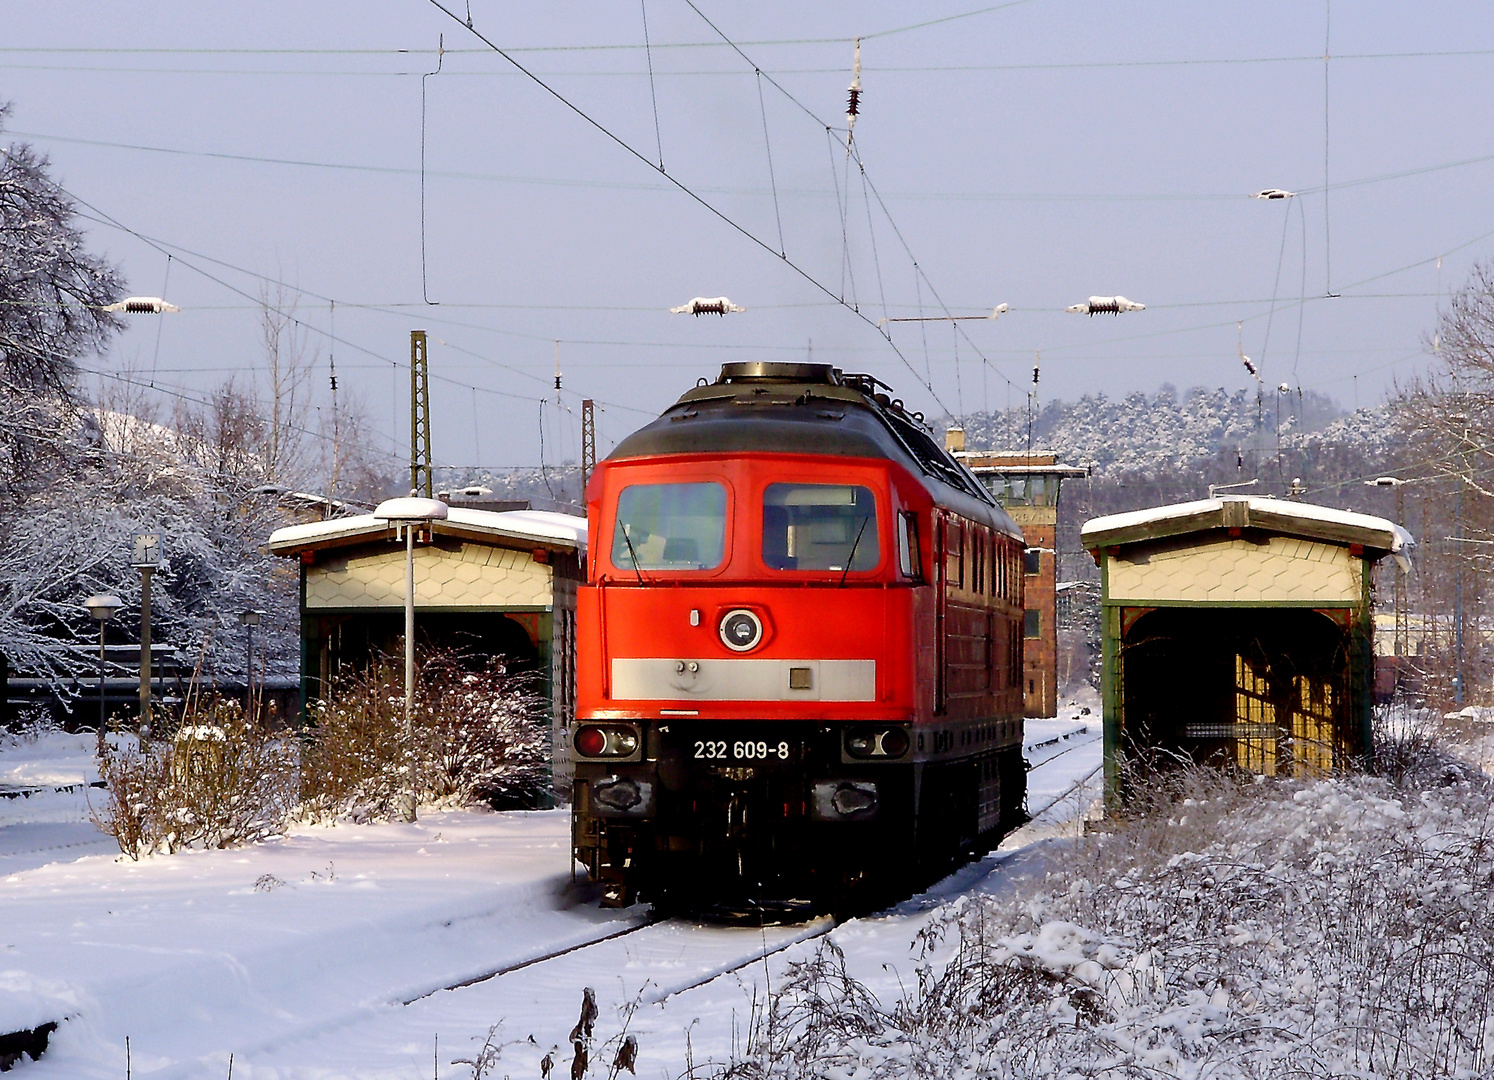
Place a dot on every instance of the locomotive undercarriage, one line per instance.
(788, 827)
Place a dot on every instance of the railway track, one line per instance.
(807, 931)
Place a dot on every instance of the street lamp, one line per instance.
(1402, 623)
(102, 607)
(408, 512)
(250, 620)
(146, 557)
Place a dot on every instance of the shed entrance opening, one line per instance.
(1263, 690)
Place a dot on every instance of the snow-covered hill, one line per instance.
(1167, 431)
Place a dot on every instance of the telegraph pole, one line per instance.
(420, 417)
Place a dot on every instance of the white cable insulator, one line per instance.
(141, 305)
(707, 305)
(1105, 305)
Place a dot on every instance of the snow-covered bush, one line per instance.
(219, 782)
(480, 736)
(1334, 927)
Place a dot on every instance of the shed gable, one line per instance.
(470, 576)
(1235, 570)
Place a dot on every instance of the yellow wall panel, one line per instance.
(474, 576)
(1237, 571)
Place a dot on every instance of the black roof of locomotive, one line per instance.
(811, 409)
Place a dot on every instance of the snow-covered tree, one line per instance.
(52, 292)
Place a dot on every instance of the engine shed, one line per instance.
(1239, 631)
(486, 584)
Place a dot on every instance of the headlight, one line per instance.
(876, 742)
(595, 740)
(741, 630)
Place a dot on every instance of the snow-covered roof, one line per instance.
(542, 527)
(1249, 512)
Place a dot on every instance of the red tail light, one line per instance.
(593, 741)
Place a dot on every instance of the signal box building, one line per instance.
(1239, 631)
(486, 584)
(1027, 486)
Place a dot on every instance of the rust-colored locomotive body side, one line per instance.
(799, 650)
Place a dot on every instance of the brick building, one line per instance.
(1027, 486)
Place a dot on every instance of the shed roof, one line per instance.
(1376, 535)
(540, 528)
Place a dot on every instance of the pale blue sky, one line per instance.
(1032, 155)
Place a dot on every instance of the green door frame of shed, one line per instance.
(1278, 594)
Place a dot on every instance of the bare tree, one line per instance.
(1447, 415)
(289, 361)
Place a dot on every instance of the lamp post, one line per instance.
(250, 620)
(102, 607)
(147, 559)
(408, 513)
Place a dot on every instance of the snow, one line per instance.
(1401, 541)
(538, 525)
(327, 952)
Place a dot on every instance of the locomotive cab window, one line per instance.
(820, 527)
(670, 527)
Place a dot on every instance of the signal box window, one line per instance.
(1032, 562)
(1032, 624)
(670, 527)
(820, 527)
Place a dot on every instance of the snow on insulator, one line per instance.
(707, 305)
(1249, 366)
(1284, 388)
(1105, 305)
(853, 102)
(1273, 193)
(141, 305)
(998, 311)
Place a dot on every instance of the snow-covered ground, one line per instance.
(329, 952)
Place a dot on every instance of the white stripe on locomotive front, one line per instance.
(684, 679)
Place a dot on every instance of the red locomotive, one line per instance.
(799, 664)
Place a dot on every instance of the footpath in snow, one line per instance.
(328, 952)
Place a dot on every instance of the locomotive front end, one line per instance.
(755, 630)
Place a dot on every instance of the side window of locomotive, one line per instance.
(670, 527)
(820, 527)
(909, 561)
(954, 540)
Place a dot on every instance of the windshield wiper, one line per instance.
(631, 553)
(851, 558)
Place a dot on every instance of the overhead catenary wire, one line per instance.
(681, 186)
(440, 61)
(624, 185)
(652, 92)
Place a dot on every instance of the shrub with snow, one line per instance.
(480, 737)
(221, 781)
(1335, 927)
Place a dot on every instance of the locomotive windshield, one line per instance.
(820, 527)
(670, 527)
